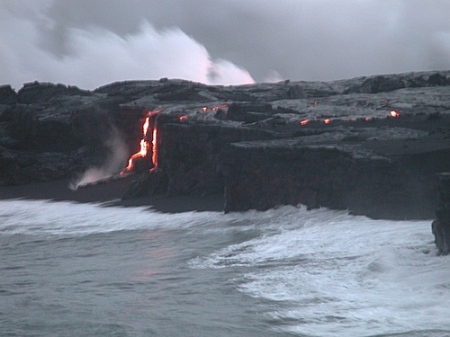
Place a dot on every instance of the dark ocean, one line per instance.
(89, 270)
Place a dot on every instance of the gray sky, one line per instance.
(89, 43)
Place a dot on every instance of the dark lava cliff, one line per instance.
(372, 145)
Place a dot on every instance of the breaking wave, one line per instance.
(325, 273)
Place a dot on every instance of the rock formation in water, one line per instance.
(372, 145)
(441, 226)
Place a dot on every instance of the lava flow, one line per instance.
(394, 114)
(215, 108)
(155, 148)
(144, 146)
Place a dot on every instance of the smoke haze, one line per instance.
(91, 43)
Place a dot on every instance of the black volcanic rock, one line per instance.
(441, 226)
(380, 84)
(7, 95)
(37, 92)
(249, 112)
(332, 144)
(373, 171)
(191, 155)
(388, 83)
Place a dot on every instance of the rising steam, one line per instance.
(112, 166)
(88, 46)
(95, 56)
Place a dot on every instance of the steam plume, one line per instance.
(113, 164)
(96, 56)
(88, 46)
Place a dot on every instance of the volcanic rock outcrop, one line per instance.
(372, 145)
(441, 226)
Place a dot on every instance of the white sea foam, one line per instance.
(339, 275)
(65, 218)
(327, 273)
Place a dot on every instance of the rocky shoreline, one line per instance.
(110, 194)
(372, 145)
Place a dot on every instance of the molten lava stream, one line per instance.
(144, 147)
(155, 148)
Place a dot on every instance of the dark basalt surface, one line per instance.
(331, 144)
(383, 171)
(441, 226)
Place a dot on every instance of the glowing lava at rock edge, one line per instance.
(154, 148)
(394, 114)
(145, 145)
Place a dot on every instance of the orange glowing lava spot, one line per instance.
(215, 108)
(304, 122)
(183, 118)
(394, 114)
(222, 106)
(367, 119)
(327, 121)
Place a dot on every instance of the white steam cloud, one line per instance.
(203, 40)
(112, 166)
(98, 56)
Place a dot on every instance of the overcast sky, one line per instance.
(89, 43)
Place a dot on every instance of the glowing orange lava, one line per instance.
(222, 106)
(214, 108)
(394, 114)
(144, 146)
(205, 108)
(155, 148)
(327, 121)
(304, 122)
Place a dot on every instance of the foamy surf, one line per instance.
(318, 273)
(66, 218)
(334, 274)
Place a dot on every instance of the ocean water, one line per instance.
(90, 270)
